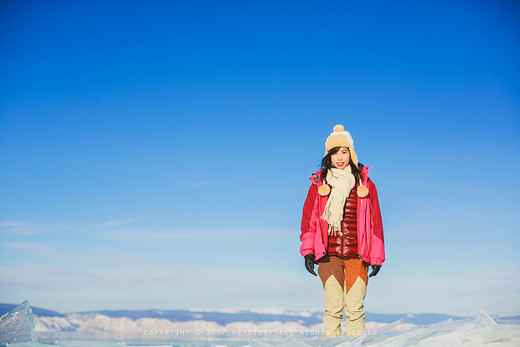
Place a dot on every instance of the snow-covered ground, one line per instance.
(264, 328)
(481, 330)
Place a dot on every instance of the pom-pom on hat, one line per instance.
(341, 138)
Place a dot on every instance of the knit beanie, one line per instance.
(341, 138)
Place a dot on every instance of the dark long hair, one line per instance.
(326, 165)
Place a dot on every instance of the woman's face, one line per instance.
(341, 158)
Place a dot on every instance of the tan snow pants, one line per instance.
(344, 286)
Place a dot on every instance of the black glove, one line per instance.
(375, 270)
(309, 263)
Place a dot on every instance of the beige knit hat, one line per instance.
(340, 138)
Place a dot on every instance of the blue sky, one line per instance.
(156, 154)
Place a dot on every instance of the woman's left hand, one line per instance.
(375, 270)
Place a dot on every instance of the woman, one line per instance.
(342, 232)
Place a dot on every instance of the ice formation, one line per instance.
(481, 331)
(17, 326)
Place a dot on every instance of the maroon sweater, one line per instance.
(346, 246)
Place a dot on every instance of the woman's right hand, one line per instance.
(309, 263)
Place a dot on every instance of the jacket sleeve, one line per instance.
(377, 248)
(309, 219)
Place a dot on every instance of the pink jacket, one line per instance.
(314, 236)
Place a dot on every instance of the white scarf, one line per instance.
(342, 181)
